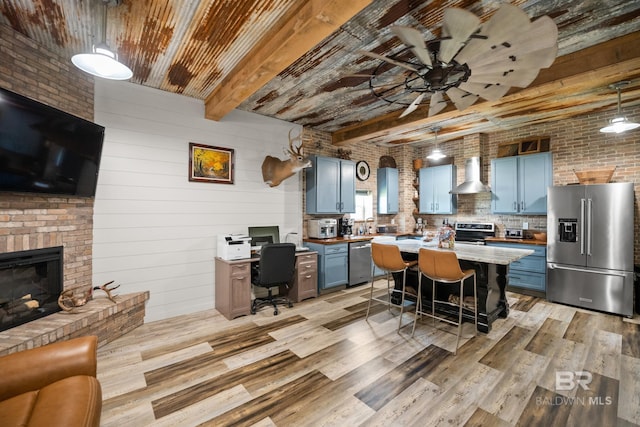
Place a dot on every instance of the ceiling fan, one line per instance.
(470, 61)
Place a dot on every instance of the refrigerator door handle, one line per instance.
(584, 270)
(582, 224)
(589, 222)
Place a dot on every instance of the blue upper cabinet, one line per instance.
(387, 180)
(519, 184)
(435, 185)
(331, 186)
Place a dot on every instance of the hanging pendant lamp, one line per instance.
(102, 61)
(436, 154)
(619, 123)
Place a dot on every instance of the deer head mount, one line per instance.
(274, 170)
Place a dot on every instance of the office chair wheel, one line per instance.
(275, 313)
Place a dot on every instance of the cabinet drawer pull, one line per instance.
(307, 276)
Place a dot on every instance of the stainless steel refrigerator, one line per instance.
(590, 246)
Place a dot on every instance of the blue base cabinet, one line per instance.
(333, 264)
(529, 274)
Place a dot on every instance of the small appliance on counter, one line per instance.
(513, 233)
(386, 228)
(234, 246)
(345, 226)
(326, 228)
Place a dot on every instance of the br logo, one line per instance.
(568, 380)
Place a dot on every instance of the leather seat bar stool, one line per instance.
(443, 267)
(388, 258)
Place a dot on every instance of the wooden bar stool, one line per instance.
(388, 258)
(443, 266)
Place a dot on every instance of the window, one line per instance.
(364, 205)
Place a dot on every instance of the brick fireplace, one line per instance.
(39, 221)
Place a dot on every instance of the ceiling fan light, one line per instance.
(618, 125)
(102, 62)
(436, 155)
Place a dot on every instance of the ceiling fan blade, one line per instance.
(460, 98)
(536, 60)
(413, 39)
(389, 60)
(507, 20)
(518, 78)
(437, 103)
(414, 105)
(539, 39)
(485, 91)
(458, 24)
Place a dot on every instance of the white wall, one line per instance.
(153, 229)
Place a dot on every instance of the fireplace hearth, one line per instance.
(30, 284)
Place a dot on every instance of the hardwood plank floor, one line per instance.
(321, 364)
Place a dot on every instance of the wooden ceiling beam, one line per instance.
(302, 28)
(588, 71)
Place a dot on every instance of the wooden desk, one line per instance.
(233, 283)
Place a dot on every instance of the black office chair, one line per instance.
(276, 267)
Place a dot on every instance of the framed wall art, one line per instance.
(210, 164)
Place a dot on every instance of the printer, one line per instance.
(234, 246)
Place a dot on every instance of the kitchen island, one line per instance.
(491, 264)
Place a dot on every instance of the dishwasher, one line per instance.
(359, 262)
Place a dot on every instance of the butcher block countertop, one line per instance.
(521, 241)
(347, 239)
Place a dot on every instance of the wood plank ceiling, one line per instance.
(291, 59)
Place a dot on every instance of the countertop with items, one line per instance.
(366, 237)
(351, 239)
(478, 253)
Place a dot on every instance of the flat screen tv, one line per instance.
(45, 150)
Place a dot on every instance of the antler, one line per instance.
(68, 301)
(64, 299)
(296, 151)
(105, 288)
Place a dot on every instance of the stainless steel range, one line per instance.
(474, 232)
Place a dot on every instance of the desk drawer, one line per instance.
(308, 258)
(240, 269)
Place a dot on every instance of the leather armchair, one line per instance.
(53, 385)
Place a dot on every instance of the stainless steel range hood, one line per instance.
(472, 178)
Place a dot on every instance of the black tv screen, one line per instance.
(45, 150)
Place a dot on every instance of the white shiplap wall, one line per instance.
(153, 229)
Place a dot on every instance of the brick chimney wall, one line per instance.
(40, 221)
